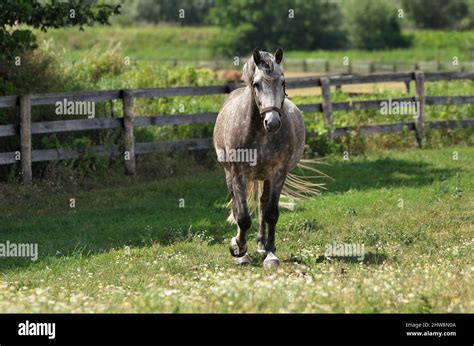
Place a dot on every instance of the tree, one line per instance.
(43, 15)
(176, 11)
(436, 14)
(374, 24)
(291, 24)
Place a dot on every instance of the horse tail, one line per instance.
(253, 192)
(302, 184)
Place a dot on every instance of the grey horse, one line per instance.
(259, 138)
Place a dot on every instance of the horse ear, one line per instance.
(279, 55)
(256, 56)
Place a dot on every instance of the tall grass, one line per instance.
(145, 42)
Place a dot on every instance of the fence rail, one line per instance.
(128, 148)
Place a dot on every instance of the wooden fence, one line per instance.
(129, 149)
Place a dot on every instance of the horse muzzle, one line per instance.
(271, 120)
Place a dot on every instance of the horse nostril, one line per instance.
(278, 125)
(272, 126)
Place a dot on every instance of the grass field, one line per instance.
(137, 42)
(127, 246)
(192, 43)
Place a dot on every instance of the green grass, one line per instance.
(140, 42)
(427, 45)
(127, 246)
(192, 43)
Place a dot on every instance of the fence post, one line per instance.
(407, 86)
(326, 66)
(129, 138)
(420, 98)
(327, 105)
(371, 67)
(25, 139)
(305, 66)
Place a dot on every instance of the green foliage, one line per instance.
(438, 14)
(41, 70)
(468, 21)
(98, 66)
(44, 15)
(163, 75)
(157, 11)
(256, 23)
(374, 25)
(318, 142)
(427, 45)
(455, 43)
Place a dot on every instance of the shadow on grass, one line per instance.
(142, 214)
(382, 173)
(369, 258)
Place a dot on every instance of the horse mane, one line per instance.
(268, 65)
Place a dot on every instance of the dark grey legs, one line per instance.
(269, 213)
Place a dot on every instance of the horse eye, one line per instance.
(256, 86)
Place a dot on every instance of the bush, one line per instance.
(374, 25)
(157, 11)
(255, 23)
(98, 66)
(318, 142)
(437, 14)
(40, 70)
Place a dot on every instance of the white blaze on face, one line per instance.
(269, 91)
(269, 94)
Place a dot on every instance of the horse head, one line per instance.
(263, 73)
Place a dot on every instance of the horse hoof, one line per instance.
(244, 260)
(235, 249)
(271, 261)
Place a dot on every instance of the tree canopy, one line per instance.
(17, 17)
(293, 24)
(438, 14)
(374, 25)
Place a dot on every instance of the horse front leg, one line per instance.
(262, 237)
(238, 244)
(271, 218)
